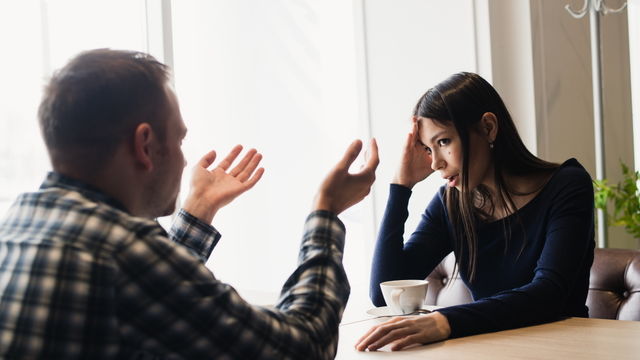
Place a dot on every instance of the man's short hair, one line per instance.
(97, 100)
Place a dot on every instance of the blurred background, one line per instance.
(300, 79)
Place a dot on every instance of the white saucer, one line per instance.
(386, 311)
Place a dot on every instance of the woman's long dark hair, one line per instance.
(462, 99)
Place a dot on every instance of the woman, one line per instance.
(521, 228)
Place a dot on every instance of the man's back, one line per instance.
(80, 277)
(58, 275)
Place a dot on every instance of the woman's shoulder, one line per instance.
(568, 183)
(571, 171)
(570, 177)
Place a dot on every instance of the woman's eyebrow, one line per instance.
(437, 135)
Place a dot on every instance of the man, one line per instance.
(86, 273)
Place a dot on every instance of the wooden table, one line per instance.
(572, 338)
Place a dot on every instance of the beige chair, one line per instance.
(614, 286)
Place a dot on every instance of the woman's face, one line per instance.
(444, 146)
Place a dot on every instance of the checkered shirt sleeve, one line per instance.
(175, 306)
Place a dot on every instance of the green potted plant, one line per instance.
(624, 197)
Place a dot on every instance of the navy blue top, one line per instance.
(544, 281)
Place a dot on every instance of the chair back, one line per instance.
(440, 292)
(614, 285)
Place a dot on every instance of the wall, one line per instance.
(633, 13)
(512, 64)
(563, 95)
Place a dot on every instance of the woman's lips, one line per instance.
(452, 181)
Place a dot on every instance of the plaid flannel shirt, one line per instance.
(81, 278)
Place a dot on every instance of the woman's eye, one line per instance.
(428, 150)
(444, 142)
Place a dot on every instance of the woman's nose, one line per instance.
(436, 162)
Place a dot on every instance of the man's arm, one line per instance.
(172, 304)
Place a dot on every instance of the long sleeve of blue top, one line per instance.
(532, 266)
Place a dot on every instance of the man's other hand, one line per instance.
(340, 189)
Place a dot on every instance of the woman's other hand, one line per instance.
(416, 163)
(401, 332)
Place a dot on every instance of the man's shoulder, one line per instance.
(67, 217)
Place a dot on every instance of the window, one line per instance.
(278, 76)
(39, 37)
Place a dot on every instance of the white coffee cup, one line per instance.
(404, 296)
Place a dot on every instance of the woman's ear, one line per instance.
(489, 126)
(142, 146)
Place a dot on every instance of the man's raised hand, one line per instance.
(341, 189)
(215, 188)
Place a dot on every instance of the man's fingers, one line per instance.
(250, 167)
(233, 154)
(207, 159)
(242, 164)
(374, 160)
(351, 154)
(254, 179)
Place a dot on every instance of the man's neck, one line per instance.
(113, 181)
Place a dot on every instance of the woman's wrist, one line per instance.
(403, 182)
(442, 325)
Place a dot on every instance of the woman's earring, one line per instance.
(491, 145)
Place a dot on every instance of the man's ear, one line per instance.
(142, 146)
(489, 126)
